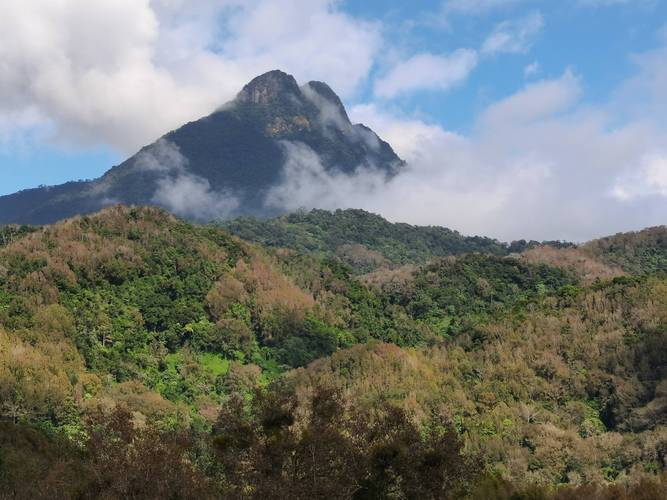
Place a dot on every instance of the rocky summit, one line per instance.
(227, 163)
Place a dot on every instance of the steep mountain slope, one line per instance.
(226, 163)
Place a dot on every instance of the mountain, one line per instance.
(367, 242)
(144, 356)
(225, 164)
(634, 253)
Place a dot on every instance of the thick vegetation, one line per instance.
(9, 234)
(637, 253)
(453, 295)
(144, 357)
(362, 240)
(572, 394)
(138, 298)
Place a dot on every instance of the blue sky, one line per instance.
(98, 80)
(596, 40)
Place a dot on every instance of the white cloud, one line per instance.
(310, 38)
(644, 96)
(514, 36)
(191, 196)
(539, 164)
(163, 156)
(123, 72)
(649, 178)
(427, 72)
(531, 69)
(179, 190)
(536, 101)
(330, 115)
(307, 183)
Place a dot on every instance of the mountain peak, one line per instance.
(268, 87)
(325, 92)
(231, 162)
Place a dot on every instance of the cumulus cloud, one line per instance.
(427, 71)
(514, 36)
(311, 38)
(161, 63)
(538, 164)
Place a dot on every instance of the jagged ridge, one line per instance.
(222, 164)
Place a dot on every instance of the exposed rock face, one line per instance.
(224, 164)
(268, 88)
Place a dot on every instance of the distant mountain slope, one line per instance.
(367, 242)
(635, 253)
(226, 163)
(638, 252)
(363, 240)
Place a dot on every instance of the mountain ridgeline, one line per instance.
(365, 241)
(225, 164)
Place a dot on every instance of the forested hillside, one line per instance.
(636, 253)
(571, 392)
(363, 240)
(142, 356)
(367, 242)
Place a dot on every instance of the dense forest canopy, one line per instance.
(342, 356)
(363, 240)
(366, 242)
